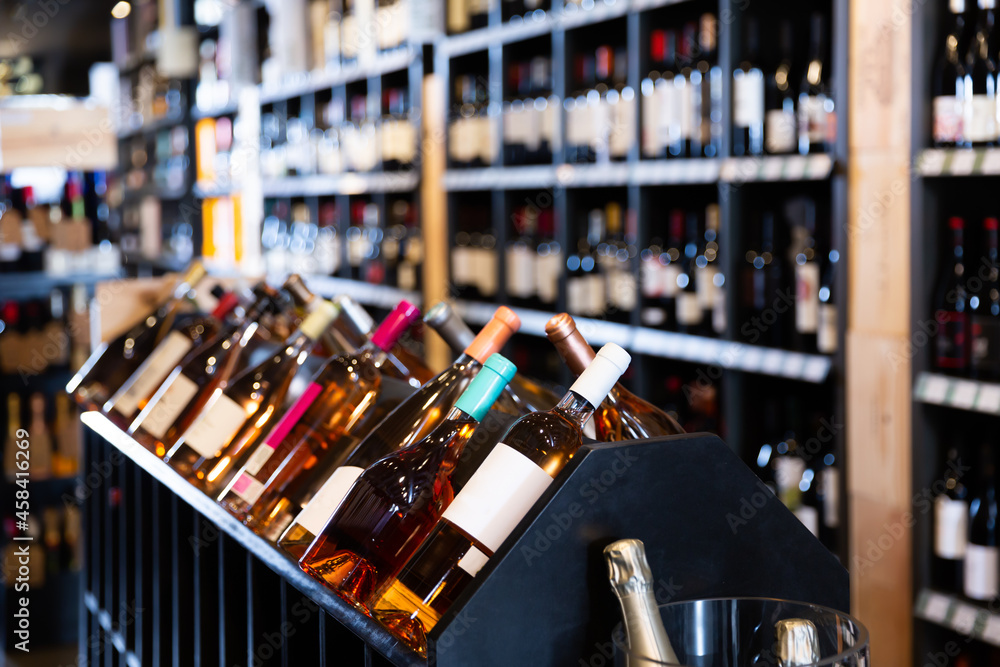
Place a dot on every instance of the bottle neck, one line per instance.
(643, 627)
(575, 408)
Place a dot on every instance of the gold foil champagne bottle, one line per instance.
(632, 582)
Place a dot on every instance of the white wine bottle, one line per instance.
(632, 582)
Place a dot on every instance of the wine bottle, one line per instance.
(134, 394)
(66, 460)
(191, 385)
(41, 439)
(948, 87)
(492, 503)
(984, 307)
(982, 555)
(337, 339)
(114, 362)
(780, 136)
(336, 403)
(632, 582)
(522, 395)
(209, 451)
(395, 502)
(803, 256)
(620, 416)
(951, 526)
(827, 340)
(689, 311)
(709, 278)
(952, 344)
(14, 434)
(411, 421)
(748, 98)
(711, 86)
(979, 125)
(816, 121)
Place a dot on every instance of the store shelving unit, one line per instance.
(947, 409)
(735, 179)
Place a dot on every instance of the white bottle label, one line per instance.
(809, 516)
(150, 375)
(216, 427)
(576, 295)
(486, 271)
(649, 275)
(981, 119)
(719, 313)
(685, 101)
(623, 131)
(594, 293)
(748, 98)
(497, 497)
(622, 288)
(947, 119)
(169, 406)
(406, 276)
(704, 280)
(981, 570)
(650, 134)
(951, 528)
(668, 110)
(831, 497)
(317, 512)
(549, 269)
(688, 309)
(258, 459)
(813, 117)
(826, 337)
(521, 270)
(460, 265)
(807, 297)
(779, 131)
(669, 274)
(247, 488)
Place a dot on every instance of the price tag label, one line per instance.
(819, 165)
(964, 394)
(989, 398)
(963, 618)
(991, 631)
(991, 162)
(963, 162)
(932, 162)
(772, 169)
(816, 369)
(936, 607)
(752, 358)
(935, 389)
(773, 362)
(795, 168)
(794, 365)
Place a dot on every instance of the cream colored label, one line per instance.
(169, 406)
(704, 280)
(951, 527)
(549, 268)
(668, 275)
(520, 271)
(473, 561)
(216, 427)
(806, 297)
(258, 459)
(497, 497)
(982, 566)
(826, 339)
(314, 515)
(688, 309)
(151, 374)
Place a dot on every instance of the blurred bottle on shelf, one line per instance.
(471, 136)
(984, 308)
(780, 132)
(530, 112)
(748, 96)
(817, 120)
(952, 343)
(948, 84)
(981, 571)
(951, 525)
(585, 288)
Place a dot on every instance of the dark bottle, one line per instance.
(817, 122)
(690, 315)
(982, 557)
(980, 122)
(748, 98)
(952, 344)
(780, 135)
(765, 298)
(711, 86)
(984, 307)
(948, 86)
(951, 526)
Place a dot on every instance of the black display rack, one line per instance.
(171, 578)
